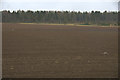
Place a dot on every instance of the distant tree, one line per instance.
(61, 17)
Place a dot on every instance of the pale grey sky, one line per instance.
(69, 5)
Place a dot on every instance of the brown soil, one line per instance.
(45, 51)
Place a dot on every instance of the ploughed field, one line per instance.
(59, 51)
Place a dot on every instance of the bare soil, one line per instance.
(59, 51)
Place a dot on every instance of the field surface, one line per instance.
(59, 51)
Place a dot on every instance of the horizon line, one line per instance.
(61, 10)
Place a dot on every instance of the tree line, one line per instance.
(61, 17)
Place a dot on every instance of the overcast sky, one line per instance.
(69, 5)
